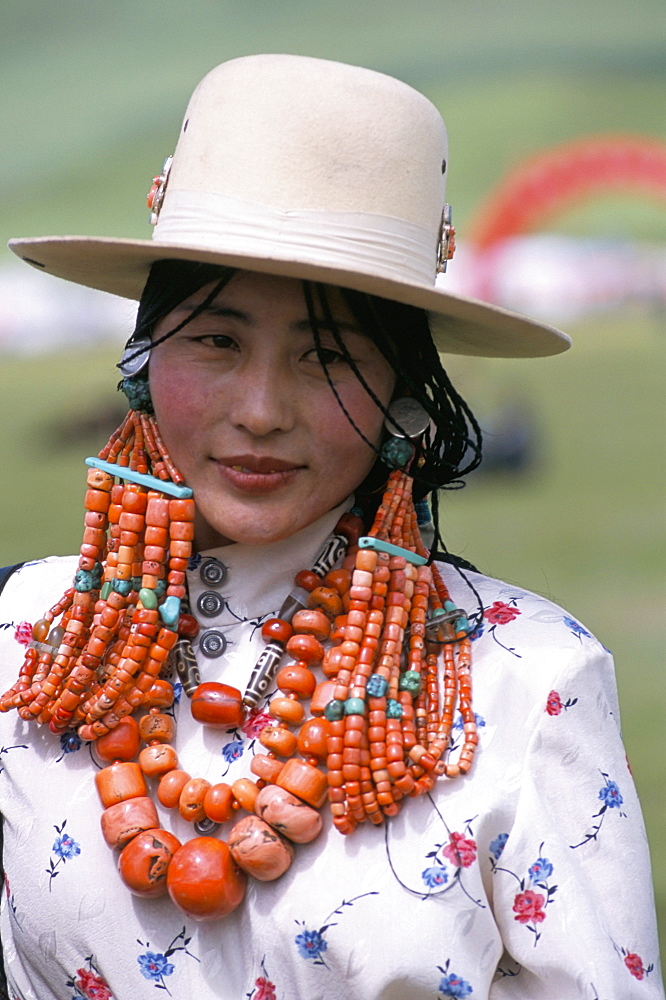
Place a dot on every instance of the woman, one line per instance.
(288, 416)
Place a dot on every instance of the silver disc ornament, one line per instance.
(406, 418)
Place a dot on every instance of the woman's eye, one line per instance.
(326, 356)
(217, 340)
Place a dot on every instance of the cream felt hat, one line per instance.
(310, 169)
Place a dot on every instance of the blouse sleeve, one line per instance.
(572, 889)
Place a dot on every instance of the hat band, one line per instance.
(377, 245)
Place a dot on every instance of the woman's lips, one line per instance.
(251, 474)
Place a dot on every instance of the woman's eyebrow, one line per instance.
(341, 326)
(225, 312)
(299, 326)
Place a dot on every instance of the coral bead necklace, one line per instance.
(372, 616)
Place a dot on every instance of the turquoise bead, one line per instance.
(377, 686)
(148, 598)
(137, 390)
(378, 545)
(461, 625)
(123, 472)
(160, 589)
(354, 706)
(393, 709)
(335, 710)
(396, 452)
(410, 681)
(106, 590)
(83, 581)
(170, 611)
(122, 586)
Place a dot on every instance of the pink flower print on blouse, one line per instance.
(92, 985)
(500, 613)
(634, 964)
(263, 989)
(555, 705)
(461, 853)
(255, 723)
(23, 633)
(528, 907)
(89, 984)
(461, 850)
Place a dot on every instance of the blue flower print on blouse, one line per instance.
(435, 876)
(232, 751)
(479, 719)
(70, 742)
(497, 845)
(575, 627)
(155, 965)
(452, 985)
(65, 848)
(540, 870)
(312, 944)
(611, 796)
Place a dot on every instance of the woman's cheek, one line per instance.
(178, 415)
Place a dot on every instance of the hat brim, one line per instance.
(459, 325)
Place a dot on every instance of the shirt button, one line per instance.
(210, 604)
(212, 643)
(212, 572)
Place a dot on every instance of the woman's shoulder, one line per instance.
(525, 633)
(490, 601)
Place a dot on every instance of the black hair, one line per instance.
(401, 332)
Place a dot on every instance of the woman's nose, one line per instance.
(263, 400)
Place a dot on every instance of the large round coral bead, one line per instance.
(204, 880)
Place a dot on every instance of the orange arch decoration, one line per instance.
(556, 178)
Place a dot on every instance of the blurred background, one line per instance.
(556, 128)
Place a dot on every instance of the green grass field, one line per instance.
(584, 526)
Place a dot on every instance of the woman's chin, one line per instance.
(248, 529)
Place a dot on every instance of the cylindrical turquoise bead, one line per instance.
(354, 706)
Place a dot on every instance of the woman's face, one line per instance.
(247, 414)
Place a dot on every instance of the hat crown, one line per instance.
(300, 134)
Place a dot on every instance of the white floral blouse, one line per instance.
(528, 879)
